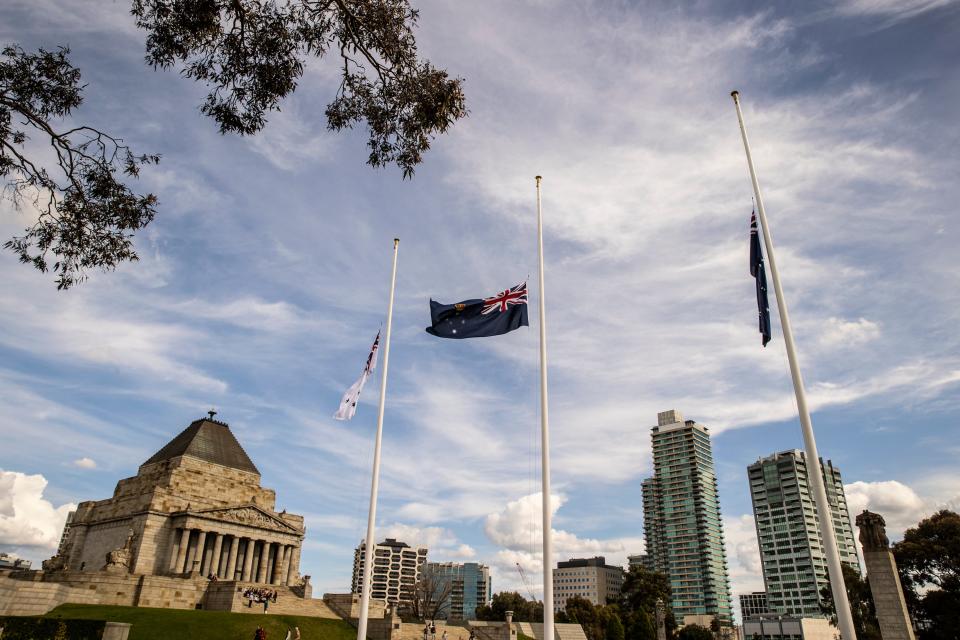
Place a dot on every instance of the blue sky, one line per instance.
(264, 277)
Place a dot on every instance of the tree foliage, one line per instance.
(523, 610)
(928, 559)
(86, 214)
(251, 54)
(861, 605)
(695, 632)
(638, 603)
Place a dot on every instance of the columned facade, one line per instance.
(195, 508)
(273, 558)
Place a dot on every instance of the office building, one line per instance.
(644, 560)
(753, 604)
(681, 513)
(590, 578)
(397, 568)
(470, 587)
(794, 563)
(779, 627)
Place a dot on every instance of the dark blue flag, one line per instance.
(478, 318)
(758, 271)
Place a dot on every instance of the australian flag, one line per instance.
(480, 318)
(758, 271)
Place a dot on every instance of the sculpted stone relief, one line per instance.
(873, 533)
(252, 517)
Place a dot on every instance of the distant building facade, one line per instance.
(682, 525)
(590, 578)
(792, 552)
(644, 560)
(8, 561)
(470, 587)
(397, 568)
(195, 507)
(753, 604)
(780, 627)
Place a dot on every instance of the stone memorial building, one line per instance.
(195, 508)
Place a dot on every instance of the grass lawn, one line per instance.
(184, 624)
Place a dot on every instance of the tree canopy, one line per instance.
(251, 53)
(523, 610)
(928, 559)
(85, 213)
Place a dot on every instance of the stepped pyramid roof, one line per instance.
(209, 440)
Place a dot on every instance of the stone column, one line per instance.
(231, 573)
(197, 562)
(264, 559)
(293, 569)
(177, 538)
(191, 551)
(215, 558)
(278, 574)
(247, 560)
(883, 578)
(181, 562)
(285, 565)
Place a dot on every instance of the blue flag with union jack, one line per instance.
(480, 318)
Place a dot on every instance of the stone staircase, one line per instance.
(414, 631)
(288, 602)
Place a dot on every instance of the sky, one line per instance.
(265, 276)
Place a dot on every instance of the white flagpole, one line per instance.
(814, 474)
(375, 483)
(545, 442)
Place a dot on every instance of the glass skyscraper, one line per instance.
(682, 523)
(470, 587)
(794, 564)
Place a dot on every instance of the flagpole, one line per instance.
(814, 473)
(375, 483)
(545, 442)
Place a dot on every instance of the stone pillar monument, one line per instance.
(661, 613)
(883, 578)
(509, 632)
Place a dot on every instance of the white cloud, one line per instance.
(85, 463)
(844, 333)
(26, 517)
(517, 529)
(899, 504)
(743, 556)
(897, 9)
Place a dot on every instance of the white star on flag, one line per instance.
(348, 404)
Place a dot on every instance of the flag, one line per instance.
(348, 404)
(480, 318)
(758, 271)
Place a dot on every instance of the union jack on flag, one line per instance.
(500, 302)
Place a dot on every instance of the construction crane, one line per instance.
(526, 583)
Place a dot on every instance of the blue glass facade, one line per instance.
(470, 587)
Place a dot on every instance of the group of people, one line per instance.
(430, 632)
(266, 596)
(261, 633)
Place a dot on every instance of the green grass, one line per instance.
(184, 624)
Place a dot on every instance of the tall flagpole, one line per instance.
(814, 473)
(544, 442)
(375, 483)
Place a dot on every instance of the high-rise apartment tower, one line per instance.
(794, 564)
(396, 570)
(681, 516)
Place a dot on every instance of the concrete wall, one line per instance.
(33, 593)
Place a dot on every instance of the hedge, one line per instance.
(33, 628)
